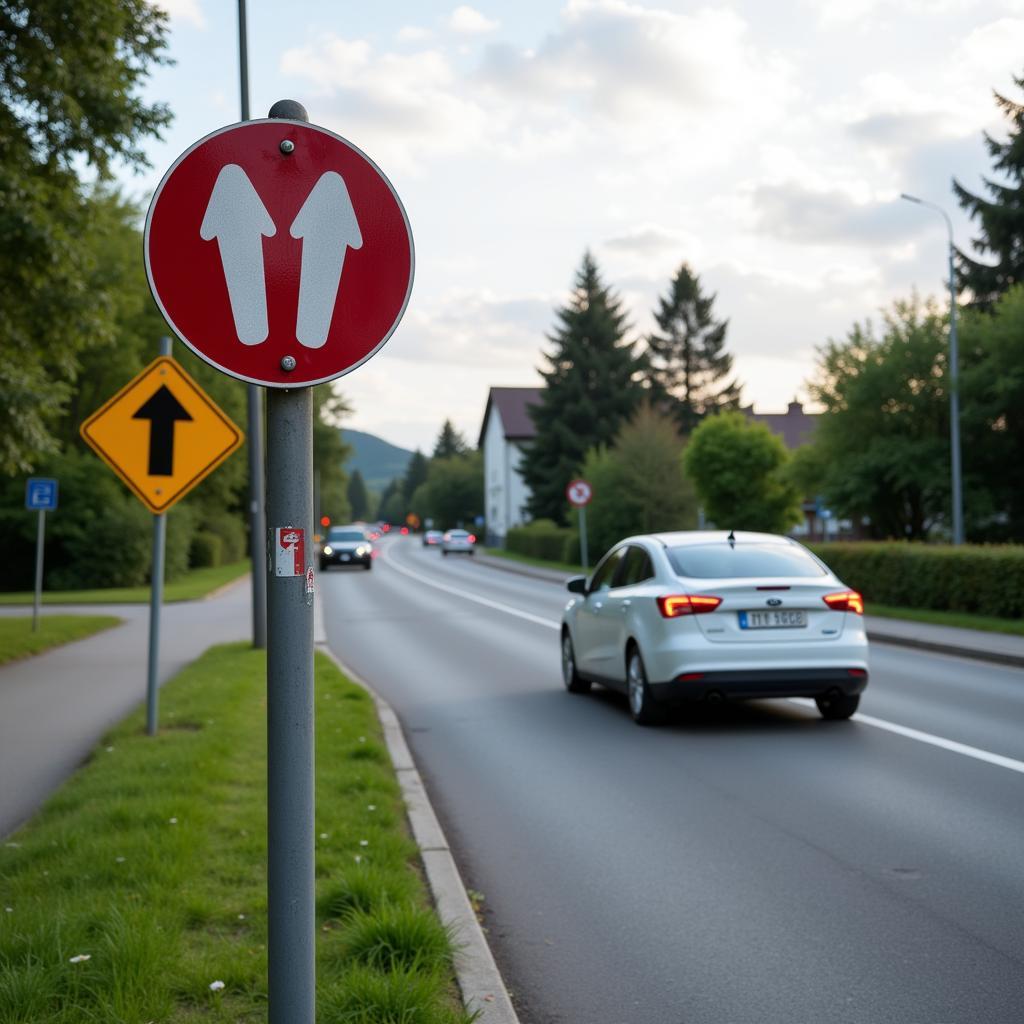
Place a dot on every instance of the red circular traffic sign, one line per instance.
(279, 253)
(579, 493)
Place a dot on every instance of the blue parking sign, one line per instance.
(41, 493)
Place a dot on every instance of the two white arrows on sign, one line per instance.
(327, 225)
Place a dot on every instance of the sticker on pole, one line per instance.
(279, 253)
(579, 493)
(289, 555)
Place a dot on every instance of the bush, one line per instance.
(985, 580)
(207, 550)
(542, 538)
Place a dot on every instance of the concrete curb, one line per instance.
(480, 982)
(972, 653)
(225, 587)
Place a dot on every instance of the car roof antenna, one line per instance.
(731, 539)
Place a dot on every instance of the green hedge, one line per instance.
(986, 580)
(541, 539)
(207, 550)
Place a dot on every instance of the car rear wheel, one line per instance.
(837, 706)
(642, 705)
(574, 683)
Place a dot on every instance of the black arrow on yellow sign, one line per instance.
(162, 410)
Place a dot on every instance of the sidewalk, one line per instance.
(55, 706)
(1000, 648)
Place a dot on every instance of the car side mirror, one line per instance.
(577, 585)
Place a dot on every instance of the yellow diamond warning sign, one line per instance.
(162, 434)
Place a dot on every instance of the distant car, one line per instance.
(458, 541)
(432, 538)
(672, 617)
(346, 545)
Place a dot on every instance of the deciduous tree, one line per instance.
(736, 464)
(884, 434)
(639, 484)
(69, 80)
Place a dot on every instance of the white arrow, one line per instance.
(237, 218)
(327, 226)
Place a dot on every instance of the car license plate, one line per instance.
(773, 620)
(345, 558)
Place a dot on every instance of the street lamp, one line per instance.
(954, 385)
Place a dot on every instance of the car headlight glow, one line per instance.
(328, 550)
(362, 550)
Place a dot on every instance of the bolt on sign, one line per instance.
(161, 434)
(279, 252)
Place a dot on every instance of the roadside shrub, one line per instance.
(206, 550)
(231, 528)
(985, 580)
(542, 538)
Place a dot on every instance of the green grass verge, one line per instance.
(141, 885)
(194, 584)
(18, 640)
(542, 563)
(961, 620)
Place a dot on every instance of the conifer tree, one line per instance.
(592, 388)
(1000, 217)
(415, 474)
(450, 442)
(687, 360)
(358, 496)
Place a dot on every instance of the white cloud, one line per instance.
(414, 34)
(184, 10)
(470, 22)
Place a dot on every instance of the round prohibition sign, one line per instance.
(279, 252)
(579, 493)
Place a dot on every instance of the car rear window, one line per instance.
(725, 561)
(342, 535)
(457, 534)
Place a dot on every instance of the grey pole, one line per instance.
(290, 878)
(954, 380)
(40, 536)
(583, 536)
(156, 597)
(257, 513)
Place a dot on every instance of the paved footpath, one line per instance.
(55, 707)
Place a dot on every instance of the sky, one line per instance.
(766, 145)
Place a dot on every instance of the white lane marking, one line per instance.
(497, 605)
(926, 737)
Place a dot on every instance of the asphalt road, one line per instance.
(746, 864)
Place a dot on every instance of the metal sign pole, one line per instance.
(40, 535)
(583, 536)
(156, 597)
(254, 423)
(290, 718)
(290, 852)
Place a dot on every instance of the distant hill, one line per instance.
(378, 460)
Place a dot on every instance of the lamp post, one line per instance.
(954, 380)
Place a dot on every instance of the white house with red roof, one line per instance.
(506, 428)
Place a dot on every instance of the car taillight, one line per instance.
(472, 539)
(687, 604)
(846, 601)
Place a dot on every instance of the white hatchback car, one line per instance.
(672, 617)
